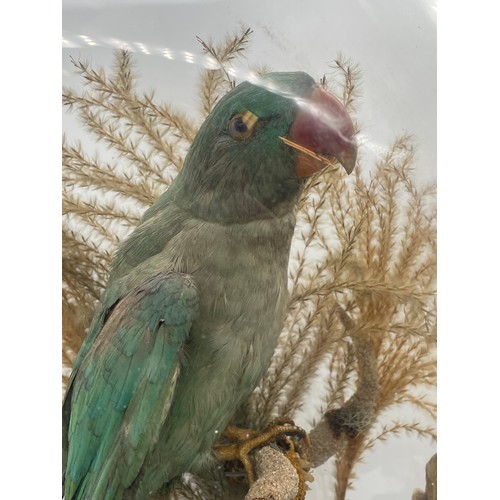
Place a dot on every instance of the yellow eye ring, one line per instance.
(242, 125)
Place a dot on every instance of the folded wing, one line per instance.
(123, 389)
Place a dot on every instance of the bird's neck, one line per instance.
(233, 200)
(237, 208)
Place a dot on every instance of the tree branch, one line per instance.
(431, 482)
(277, 477)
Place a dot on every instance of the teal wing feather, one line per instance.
(109, 299)
(122, 391)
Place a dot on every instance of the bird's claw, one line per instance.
(282, 431)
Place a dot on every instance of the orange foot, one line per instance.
(281, 431)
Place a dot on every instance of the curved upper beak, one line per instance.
(323, 126)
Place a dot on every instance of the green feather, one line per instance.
(125, 385)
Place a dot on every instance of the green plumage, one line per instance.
(193, 308)
(124, 385)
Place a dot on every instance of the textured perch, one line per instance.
(357, 414)
(430, 480)
(324, 443)
(277, 478)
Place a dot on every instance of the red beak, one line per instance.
(323, 126)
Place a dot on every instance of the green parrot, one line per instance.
(197, 294)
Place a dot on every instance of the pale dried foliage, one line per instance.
(361, 325)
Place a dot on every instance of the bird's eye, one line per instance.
(241, 126)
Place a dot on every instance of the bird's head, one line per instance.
(258, 145)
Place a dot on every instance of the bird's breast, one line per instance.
(241, 275)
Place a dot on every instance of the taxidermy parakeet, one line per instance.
(197, 295)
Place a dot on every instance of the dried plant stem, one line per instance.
(217, 80)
